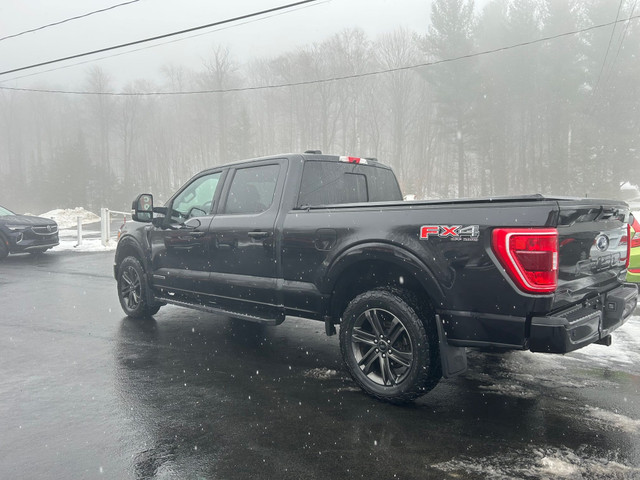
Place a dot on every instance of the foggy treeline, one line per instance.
(559, 117)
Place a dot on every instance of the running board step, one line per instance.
(277, 320)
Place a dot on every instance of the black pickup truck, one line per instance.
(410, 284)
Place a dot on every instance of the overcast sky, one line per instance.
(147, 18)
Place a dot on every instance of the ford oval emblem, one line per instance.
(602, 243)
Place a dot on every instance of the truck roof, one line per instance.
(309, 155)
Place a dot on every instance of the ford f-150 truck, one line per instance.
(410, 284)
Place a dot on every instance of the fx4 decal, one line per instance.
(468, 233)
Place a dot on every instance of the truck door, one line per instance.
(180, 247)
(243, 257)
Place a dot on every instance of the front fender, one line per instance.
(128, 245)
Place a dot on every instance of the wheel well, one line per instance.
(128, 250)
(367, 275)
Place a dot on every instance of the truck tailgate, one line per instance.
(592, 248)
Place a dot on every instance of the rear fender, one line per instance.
(384, 252)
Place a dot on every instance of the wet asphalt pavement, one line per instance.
(87, 393)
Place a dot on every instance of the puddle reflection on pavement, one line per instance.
(225, 399)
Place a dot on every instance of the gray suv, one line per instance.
(25, 233)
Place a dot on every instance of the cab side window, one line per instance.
(252, 189)
(196, 199)
(329, 183)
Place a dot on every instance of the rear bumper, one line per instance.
(581, 325)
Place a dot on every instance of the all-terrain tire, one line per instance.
(389, 345)
(132, 289)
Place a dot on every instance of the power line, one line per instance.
(320, 2)
(624, 34)
(68, 20)
(604, 60)
(159, 37)
(331, 79)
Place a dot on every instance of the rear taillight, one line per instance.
(530, 257)
(624, 242)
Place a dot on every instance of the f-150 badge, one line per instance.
(469, 233)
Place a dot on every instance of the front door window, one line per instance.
(196, 200)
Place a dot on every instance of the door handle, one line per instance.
(259, 235)
(187, 236)
(224, 244)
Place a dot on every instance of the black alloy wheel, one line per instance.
(390, 346)
(132, 289)
(382, 347)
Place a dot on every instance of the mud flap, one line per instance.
(329, 327)
(453, 359)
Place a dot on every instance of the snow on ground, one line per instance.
(521, 373)
(525, 374)
(542, 463)
(624, 351)
(615, 420)
(321, 373)
(68, 242)
(68, 217)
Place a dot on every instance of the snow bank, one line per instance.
(67, 220)
(628, 186)
(68, 217)
(631, 195)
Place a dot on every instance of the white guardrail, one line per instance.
(86, 224)
(105, 224)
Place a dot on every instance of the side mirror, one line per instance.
(142, 208)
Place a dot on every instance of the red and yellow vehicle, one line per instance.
(633, 272)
